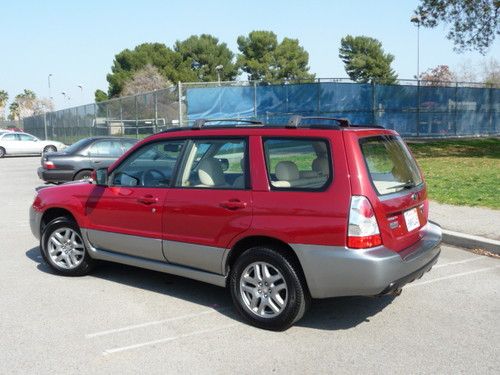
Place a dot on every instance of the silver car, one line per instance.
(25, 144)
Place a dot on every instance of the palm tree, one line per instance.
(4, 96)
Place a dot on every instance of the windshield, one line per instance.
(390, 164)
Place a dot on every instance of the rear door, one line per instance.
(103, 153)
(398, 189)
(210, 203)
(12, 143)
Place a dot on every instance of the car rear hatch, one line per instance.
(390, 178)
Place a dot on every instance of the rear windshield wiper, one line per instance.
(406, 185)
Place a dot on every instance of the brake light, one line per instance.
(363, 229)
(49, 164)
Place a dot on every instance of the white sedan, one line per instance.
(21, 143)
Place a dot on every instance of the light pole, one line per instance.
(218, 68)
(418, 20)
(81, 92)
(48, 79)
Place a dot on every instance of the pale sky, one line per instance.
(76, 40)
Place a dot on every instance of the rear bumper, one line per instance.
(337, 271)
(54, 175)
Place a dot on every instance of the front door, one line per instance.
(126, 216)
(209, 205)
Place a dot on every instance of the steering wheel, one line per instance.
(151, 177)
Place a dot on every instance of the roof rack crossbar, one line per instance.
(296, 120)
(199, 123)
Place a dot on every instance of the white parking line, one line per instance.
(167, 339)
(451, 276)
(156, 322)
(459, 262)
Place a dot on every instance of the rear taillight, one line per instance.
(363, 229)
(47, 164)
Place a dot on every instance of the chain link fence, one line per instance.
(413, 108)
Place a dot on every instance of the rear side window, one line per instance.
(298, 164)
(390, 164)
(106, 149)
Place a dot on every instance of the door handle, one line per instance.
(96, 161)
(233, 204)
(147, 199)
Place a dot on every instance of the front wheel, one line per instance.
(2, 152)
(63, 248)
(267, 289)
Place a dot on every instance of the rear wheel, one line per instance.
(267, 289)
(63, 248)
(49, 149)
(82, 175)
(2, 152)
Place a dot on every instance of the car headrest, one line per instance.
(287, 171)
(210, 172)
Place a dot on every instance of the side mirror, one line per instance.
(100, 176)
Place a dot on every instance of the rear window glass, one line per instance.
(297, 164)
(390, 164)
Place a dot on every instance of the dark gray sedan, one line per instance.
(78, 160)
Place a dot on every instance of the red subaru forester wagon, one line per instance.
(316, 208)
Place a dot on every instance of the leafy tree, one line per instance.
(128, 61)
(198, 58)
(100, 96)
(4, 96)
(365, 60)
(473, 23)
(145, 80)
(27, 104)
(441, 75)
(491, 72)
(263, 58)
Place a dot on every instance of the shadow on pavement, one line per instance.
(326, 314)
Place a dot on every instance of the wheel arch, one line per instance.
(53, 213)
(82, 170)
(255, 240)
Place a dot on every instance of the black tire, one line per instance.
(85, 262)
(50, 148)
(82, 175)
(297, 296)
(2, 152)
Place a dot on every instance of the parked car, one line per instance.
(78, 160)
(276, 214)
(15, 143)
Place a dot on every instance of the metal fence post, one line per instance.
(179, 92)
(456, 110)
(491, 127)
(418, 107)
(136, 117)
(155, 96)
(374, 107)
(255, 99)
(45, 124)
(96, 108)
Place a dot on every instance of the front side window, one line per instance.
(390, 164)
(298, 164)
(152, 165)
(216, 164)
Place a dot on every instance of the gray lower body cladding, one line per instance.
(338, 271)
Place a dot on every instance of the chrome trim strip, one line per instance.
(154, 265)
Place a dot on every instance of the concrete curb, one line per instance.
(469, 241)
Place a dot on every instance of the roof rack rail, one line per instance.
(296, 120)
(198, 124)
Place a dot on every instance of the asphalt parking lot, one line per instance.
(126, 320)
